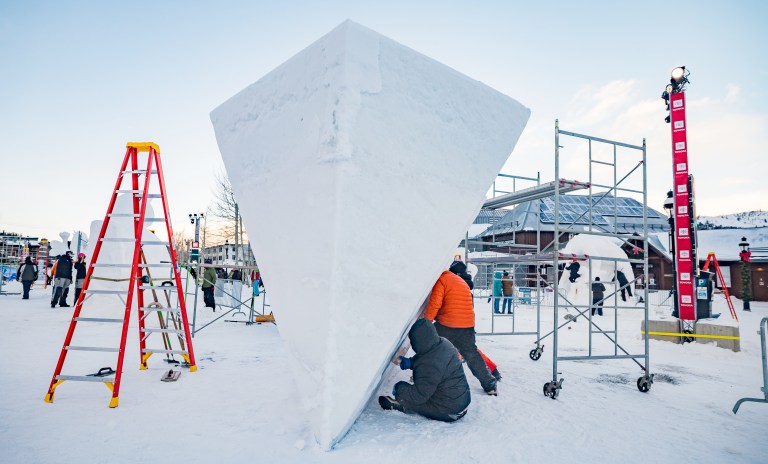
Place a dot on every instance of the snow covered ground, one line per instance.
(242, 406)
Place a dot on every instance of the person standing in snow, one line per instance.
(439, 390)
(80, 275)
(460, 269)
(598, 293)
(508, 290)
(450, 306)
(27, 274)
(209, 280)
(498, 292)
(62, 279)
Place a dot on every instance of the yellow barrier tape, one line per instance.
(673, 334)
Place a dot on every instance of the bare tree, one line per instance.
(181, 243)
(224, 207)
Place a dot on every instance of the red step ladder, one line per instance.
(711, 258)
(138, 282)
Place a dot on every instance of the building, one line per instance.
(229, 254)
(530, 219)
(724, 243)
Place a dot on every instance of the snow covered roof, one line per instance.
(723, 242)
(625, 213)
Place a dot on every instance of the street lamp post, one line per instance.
(746, 274)
(669, 206)
(195, 219)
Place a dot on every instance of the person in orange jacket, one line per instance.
(450, 306)
(460, 269)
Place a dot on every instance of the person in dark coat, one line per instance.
(508, 292)
(62, 280)
(574, 268)
(209, 283)
(27, 274)
(439, 390)
(598, 293)
(623, 284)
(80, 269)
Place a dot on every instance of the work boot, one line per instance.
(496, 375)
(491, 390)
(388, 403)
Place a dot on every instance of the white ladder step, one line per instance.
(123, 215)
(85, 378)
(98, 319)
(166, 265)
(139, 193)
(91, 348)
(170, 310)
(164, 351)
(175, 331)
(140, 171)
(132, 240)
(167, 288)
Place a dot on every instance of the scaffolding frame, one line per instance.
(553, 387)
(491, 265)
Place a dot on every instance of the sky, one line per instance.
(80, 79)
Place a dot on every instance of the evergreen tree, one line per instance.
(746, 282)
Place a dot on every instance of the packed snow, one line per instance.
(388, 155)
(241, 406)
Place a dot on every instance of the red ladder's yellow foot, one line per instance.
(193, 368)
(113, 402)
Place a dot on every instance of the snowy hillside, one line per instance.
(734, 221)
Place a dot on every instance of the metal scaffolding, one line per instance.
(602, 197)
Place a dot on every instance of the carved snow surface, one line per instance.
(358, 165)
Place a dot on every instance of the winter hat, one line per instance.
(458, 267)
(80, 255)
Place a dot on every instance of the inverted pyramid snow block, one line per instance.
(358, 165)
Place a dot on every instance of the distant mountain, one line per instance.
(745, 220)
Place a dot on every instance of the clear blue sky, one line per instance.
(80, 79)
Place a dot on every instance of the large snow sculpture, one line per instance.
(600, 247)
(358, 165)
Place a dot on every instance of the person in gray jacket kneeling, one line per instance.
(439, 390)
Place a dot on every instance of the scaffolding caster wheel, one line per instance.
(535, 353)
(552, 389)
(644, 383)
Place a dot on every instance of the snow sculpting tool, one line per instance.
(102, 312)
(171, 376)
(388, 156)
